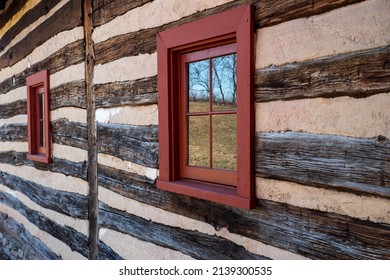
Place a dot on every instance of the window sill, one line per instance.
(39, 157)
(212, 192)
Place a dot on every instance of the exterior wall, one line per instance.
(322, 87)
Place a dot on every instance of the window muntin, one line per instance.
(208, 115)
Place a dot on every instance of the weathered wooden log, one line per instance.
(42, 8)
(32, 247)
(75, 240)
(335, 162)
(138, 92)
(58, 165)
(68, 95)
(310, 233)
(135, 143)
(267, 13)
(12, 109)
(68, 17)
(69, 55)
(70, 204)
(359, 74)
(13, 133)
(14, 6)
(69, 133)
(193, 243)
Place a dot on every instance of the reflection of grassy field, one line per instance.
(224, 139)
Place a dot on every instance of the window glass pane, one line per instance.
(199, 86)
(224, 82)
(41, 118)
(199, 141)
(224, 141)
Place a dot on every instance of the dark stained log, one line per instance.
(13, 8)
(28, 18)
(138, 92)
(69, 133)
(193, 243)
(359, 74)
(69, 55)
(75, 240)
(13, 133)
(68, 17)
(58, 165)
(21, 238)
(106, 10)
(135, 143)
(271, 12)
(310, 233)
(12, 109)
(71, 94)
(335, 162)
(267, 13)
(67, 203)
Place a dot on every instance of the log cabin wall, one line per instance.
(322, 88)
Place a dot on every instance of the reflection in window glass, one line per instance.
(224, 82)
(199, 86)
(41, 118)
(224, 141)
(199, 141)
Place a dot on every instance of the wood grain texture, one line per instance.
(32, 247)
(67, 203)
(41, 9)
(68, 17)
(75, 240)
(13, 8)
(58, 165)
(135, 143)
(12, 109)
(192, 243)
(69, 133)
(310, 233)
(335, 162)
(13, 133)
(106, 10)
(134, 93)
(358, 74)
(69, 55)
(71, 94)
(267, 13)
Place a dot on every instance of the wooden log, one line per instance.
(12, 109)
(193, 243)
(69, 55)
(135, 143)
(71, 94)
(13, 8)
(75, 240)
(67, 203)
(58, 165)
(335, 162)
(310, 233)
(359, 74)
(134, 93)
(13, 133)
(31, 246)
(29, 17)
(104, 11)
(66, 18)
(69, 133)
(267, 13)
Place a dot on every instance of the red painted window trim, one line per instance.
(35, 82)
(233, 26)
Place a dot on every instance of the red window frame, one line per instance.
(38, 112)
(233, 26)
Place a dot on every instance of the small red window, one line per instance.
(206, 108)
(38, 98)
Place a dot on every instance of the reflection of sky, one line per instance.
(223, 79)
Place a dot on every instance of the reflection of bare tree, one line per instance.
(224, 80)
